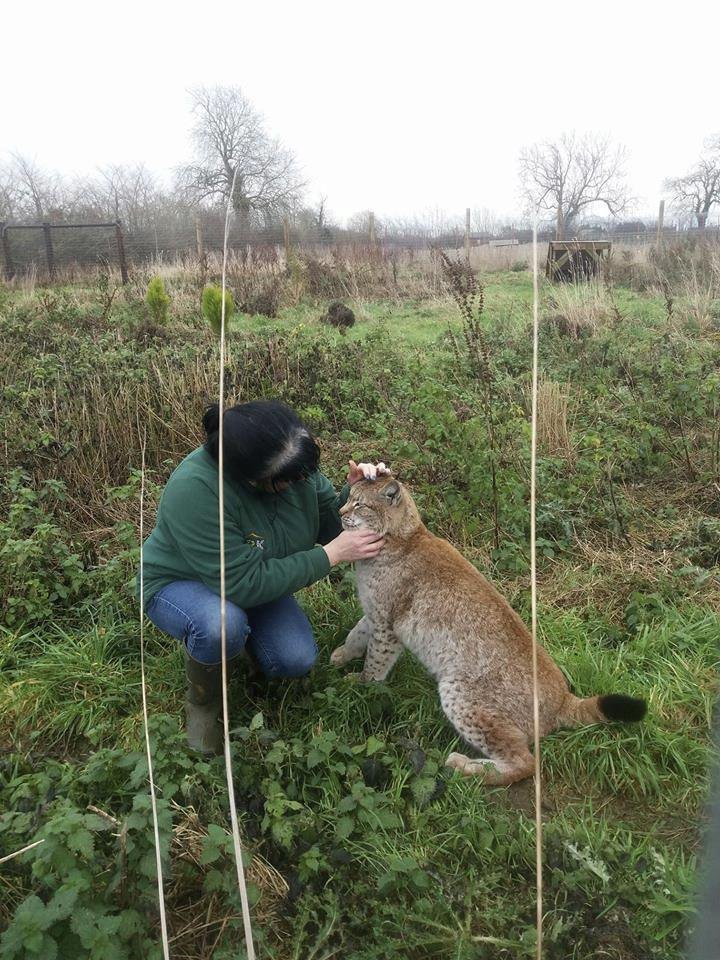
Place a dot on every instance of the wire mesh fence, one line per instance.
(64, 250)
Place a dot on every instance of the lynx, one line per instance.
(422, 594)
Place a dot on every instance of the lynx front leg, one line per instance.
(355, 643)
(383, 650)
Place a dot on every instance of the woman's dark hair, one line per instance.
(262, 440)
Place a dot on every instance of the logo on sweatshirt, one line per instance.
(255, 540)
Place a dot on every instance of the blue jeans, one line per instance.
(278, 634)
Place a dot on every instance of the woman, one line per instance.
(278, 508)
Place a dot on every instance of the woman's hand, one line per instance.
(365, 471)
(354, 545)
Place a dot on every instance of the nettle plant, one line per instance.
(89, 890)
(41, 568)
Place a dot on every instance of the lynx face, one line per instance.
(378, 505)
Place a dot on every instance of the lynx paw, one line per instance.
(339, 656)
(358, 677)
(466, 766)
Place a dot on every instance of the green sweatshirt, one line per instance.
(270, 538)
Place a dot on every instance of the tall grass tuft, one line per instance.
(469, 296)
(553, 412)
(699, 289)
(581, 308)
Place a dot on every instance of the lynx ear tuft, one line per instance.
(391, 492)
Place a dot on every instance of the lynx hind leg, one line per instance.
(355, 644)
(507, 755)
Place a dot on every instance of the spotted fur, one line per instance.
(420, 593)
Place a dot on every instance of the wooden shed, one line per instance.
(573, 260)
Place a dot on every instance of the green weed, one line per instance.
(363, 845)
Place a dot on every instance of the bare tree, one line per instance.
(485, 221)
(313, 222)
(9, 200)
(362, 221)
(36, 193)
(568, 175)
(127, 193)
(229, 135)
(699, 190)
(321, 215)
(432, 224)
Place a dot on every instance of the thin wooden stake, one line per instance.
(9, 265)
(660, 223)
(121, 252)
(49, 252)
(148, 751)
(199, 239)
(249, 945)
(286, 239)
(533, 605)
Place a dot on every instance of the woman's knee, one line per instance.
(204, 639)
(297, 662)
(282, 639)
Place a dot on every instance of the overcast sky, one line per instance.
(400, 107)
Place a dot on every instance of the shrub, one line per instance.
(158, 301)
(321, 279)
(212, 307)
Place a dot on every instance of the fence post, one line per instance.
(9, 265)
(199, 239)
(467, 234)
(121, 251)
(661, 218)
(286, 239)
(371, 228)
(49, 253)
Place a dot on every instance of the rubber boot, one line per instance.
(203, 704)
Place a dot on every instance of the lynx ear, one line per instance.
(391, 492)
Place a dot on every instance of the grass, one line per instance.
(417, 322)
(364, 846)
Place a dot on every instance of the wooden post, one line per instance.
(199, 239)
(286, 239)
(371, 228)
(9, 265)
(467, 234)
(661, 219)
(121, 251)
(49, 253)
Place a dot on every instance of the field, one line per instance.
(361, 845)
